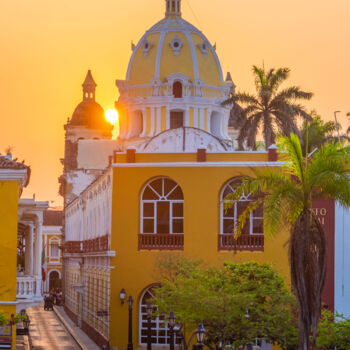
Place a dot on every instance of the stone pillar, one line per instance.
(38, 251)
(187, 117)
(29, 254)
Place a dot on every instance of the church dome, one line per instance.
(89, 113)
(173, 45)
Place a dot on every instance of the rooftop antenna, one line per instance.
(336, 124)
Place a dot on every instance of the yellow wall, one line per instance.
(134, 270)
(9, 193)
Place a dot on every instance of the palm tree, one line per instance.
(316, 133)
(287, 195)
(271, 110)
(348, 115)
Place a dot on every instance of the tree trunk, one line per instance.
(308, 260)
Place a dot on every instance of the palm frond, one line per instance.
(279, 77)
(294, 93)
(294, 155)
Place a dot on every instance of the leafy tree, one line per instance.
(237, 303)
(287, 195)
(271, 110)
(333, 331)
(348, 115)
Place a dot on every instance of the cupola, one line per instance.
(89, 87)
(173, 8)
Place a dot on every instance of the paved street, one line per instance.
(47, 332)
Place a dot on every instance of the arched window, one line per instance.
(253, 225)
(177, 89)
(162, 207)
(160, 330)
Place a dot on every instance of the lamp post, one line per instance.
(200, 333)
(130, 302)
(172, 320)
(149, 310)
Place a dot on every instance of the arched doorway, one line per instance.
(53, 277)
(159, 325)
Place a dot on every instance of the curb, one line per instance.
(70, 330)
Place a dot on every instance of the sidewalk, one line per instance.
(22, 342)
(84, 342)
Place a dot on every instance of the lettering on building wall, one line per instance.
(320, 213)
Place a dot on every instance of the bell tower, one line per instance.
(173, 8)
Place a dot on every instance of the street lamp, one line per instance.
(200, 333)
(149, 309)
(172, 320)
(130, 302)
(122, 296)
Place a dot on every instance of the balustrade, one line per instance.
(244, 242)
(161, 241)
(98, 244)
(26, 287)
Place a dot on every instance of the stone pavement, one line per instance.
(84, 342)
(22, 342)
(47, 332)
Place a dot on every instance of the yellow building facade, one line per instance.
(13, 177)
(162, 191)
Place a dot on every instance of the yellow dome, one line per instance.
(173, 45)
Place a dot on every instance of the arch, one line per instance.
(54, 275)
(160, 331)
(136, 124)
(162, 207)
(177, 89)
(215, 124)
(228, 218)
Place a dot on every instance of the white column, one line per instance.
(159, 120)
(201, 118)
(167, 123)
(37, 270)
(152, 121)
(187, 117)
(195, 117)
(208, 121)
(29, 255)
(144, 122)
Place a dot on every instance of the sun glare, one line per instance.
(112, 116)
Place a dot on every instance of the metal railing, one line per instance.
(244, 242)
(161, 241)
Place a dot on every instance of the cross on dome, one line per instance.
(173, 8)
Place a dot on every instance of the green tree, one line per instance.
(270, 110)
(287, 195)
(333, 331)
(317, 133)
(348, 130)
(237, 303)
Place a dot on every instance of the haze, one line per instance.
(47, 47)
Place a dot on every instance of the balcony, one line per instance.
(161, 241)
(98, 244)
(244, 242)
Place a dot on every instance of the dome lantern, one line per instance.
(89, 87)
(173, 8)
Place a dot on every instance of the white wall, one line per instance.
(342, 261)
(89, 216)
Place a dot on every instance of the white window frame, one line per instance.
(57, 242)
(163, 198)
(243, 198)
(155, 319)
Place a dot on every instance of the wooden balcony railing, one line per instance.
(161, 241)
(99, 244)
(244, 242)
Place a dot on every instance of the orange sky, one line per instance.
(47, 46)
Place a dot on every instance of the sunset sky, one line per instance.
(47, 47)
